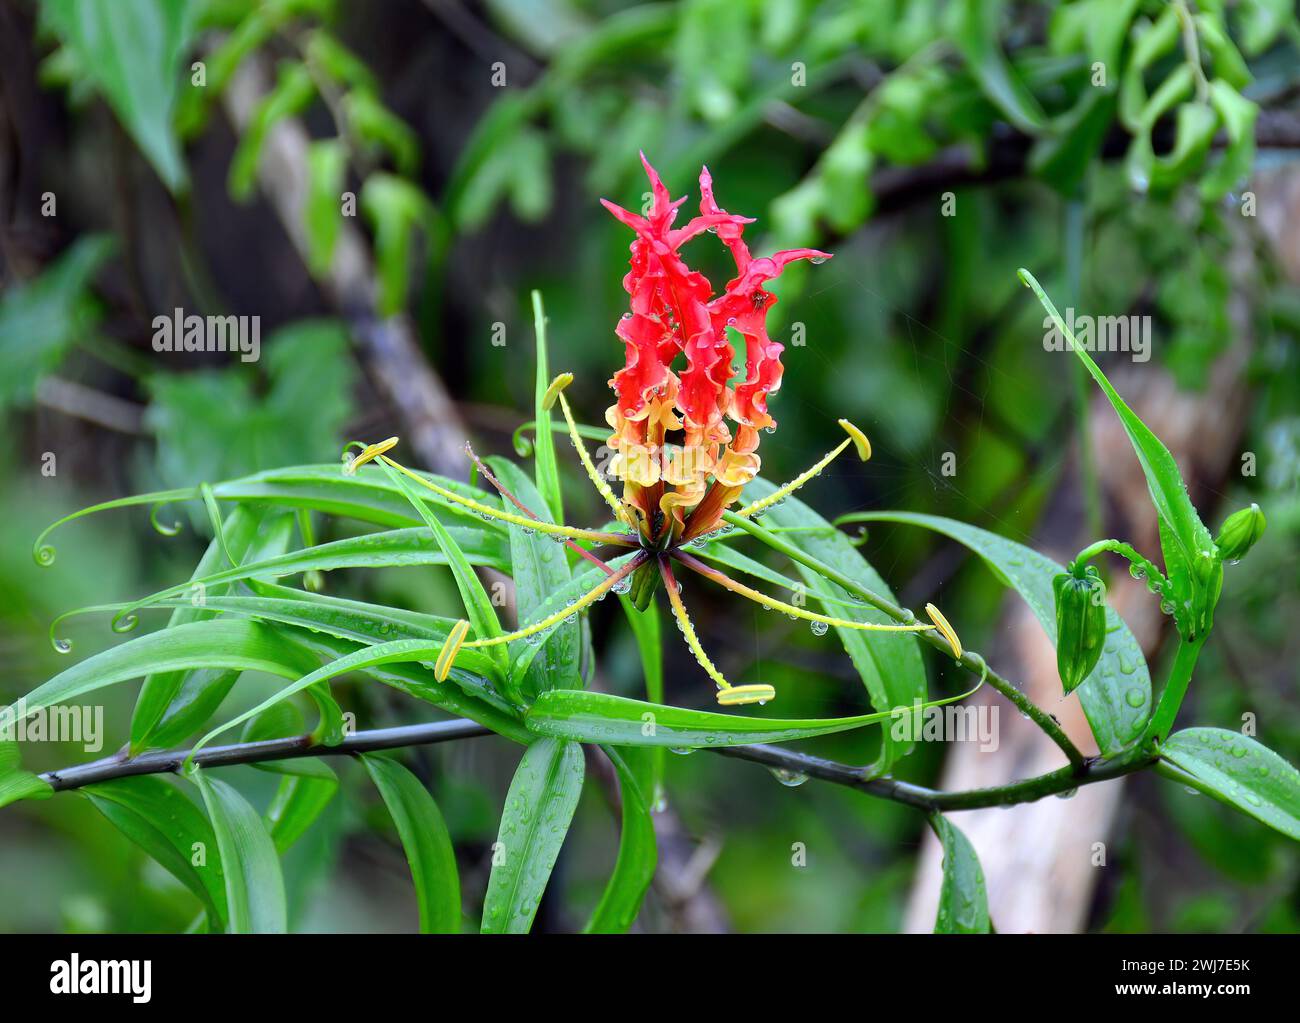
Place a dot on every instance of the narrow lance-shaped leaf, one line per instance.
(299, 802)
(975, 26)
(254, 885)
(367, 496)
(1191, 560)
(478, 605)
(389, 549)
(649, 641)
(15, 782)
(159, 818)
(548, 473)
(618, 721)
(963, 900)
(539, 807)
(1241, 772)
(1116, 695)
(240, 530)
(637, 853)
(426, 841)
(133, 50)
(540, 570)
(890, 666)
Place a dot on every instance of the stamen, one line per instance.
(449, 651)
(859, 439)
(557, 385)
(688, 630)
(602, 488)
(368, 453)
(585, 601)
(757, 692)
(945, 627)
(722, 579)
(504, 491)
(568, 532)
(855, 437)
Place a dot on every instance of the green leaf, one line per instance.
(1191, 560)
(327, 162)
(395, 208)
(637, 853)
(16, 783)
(463, 694)
(890, 664)
(548, 473)
(646, 628)
(132, 50)
(299, 801)
(963, 901)
(244, 646)
(1116, 695)
(254, 885)
(242, 531)
(974, 25)
(294, 89)
(1238, 115)
(426, 841)
(541, 572)
(1237, 770)
(478, 605)
(41, 320)
(389, 549)
(618, 721)
(539, 806)
(367, 496)
(517, 166)
(165, 823)
(381, 130)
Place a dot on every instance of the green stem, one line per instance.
(969, 660)
(1053, 783)
(1128, 553)
(1175, 689)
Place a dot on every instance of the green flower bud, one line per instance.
(1080, 625)
(1240, 532)
(645, 580)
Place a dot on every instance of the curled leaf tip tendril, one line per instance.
(161, 527)
(125, 621)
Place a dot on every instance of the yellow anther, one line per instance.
(370, 452)
(735, 696)
(553, 392)
(945, 627)
(450, 649)
(859, 439)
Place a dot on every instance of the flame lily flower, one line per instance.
(684, 438)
